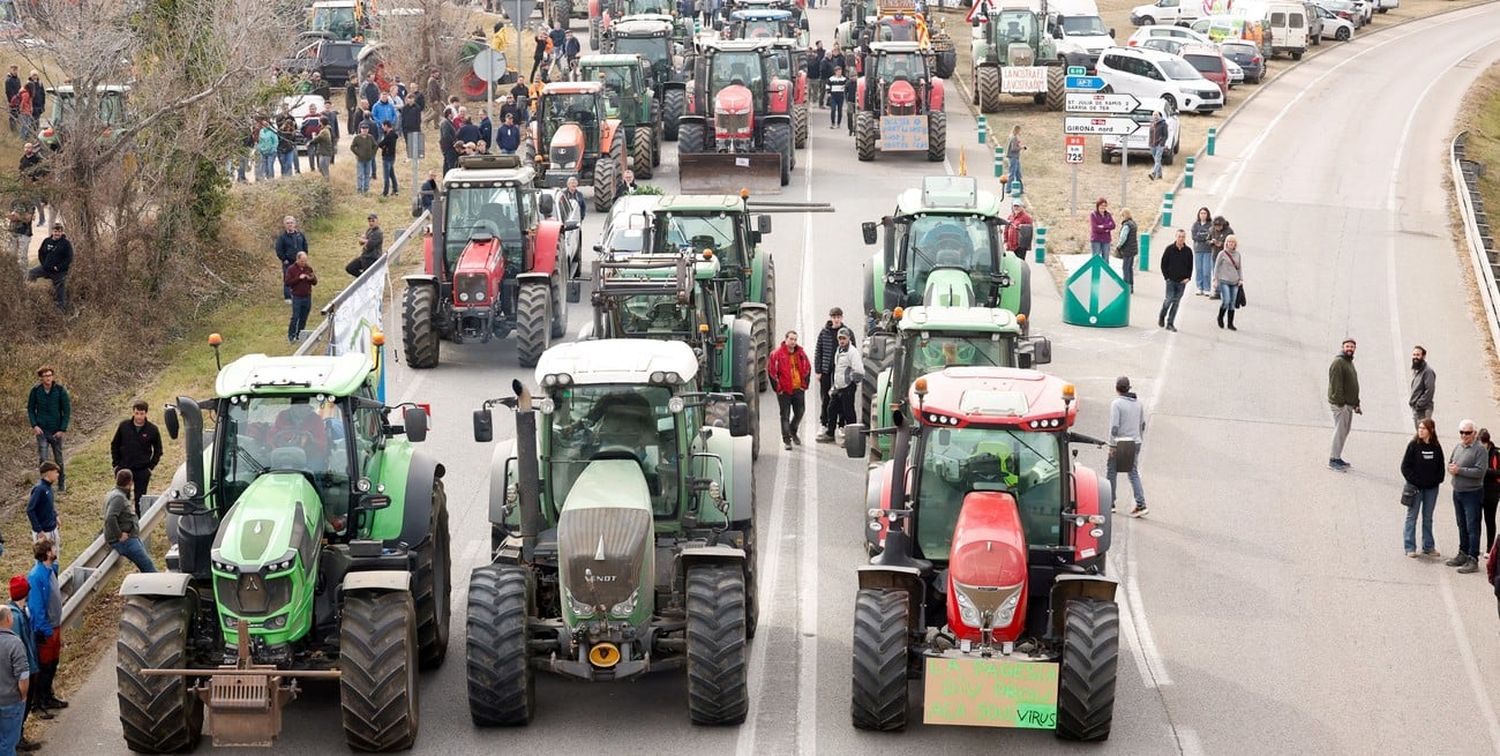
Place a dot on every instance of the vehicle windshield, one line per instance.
(694, 233)
(338, 22)
(615, 422)
(743, 68)
(1017, 26)
(654, 50)
(935, 352)
(653, 316)
(901, 66)
(481, 211)
(616, 82)
(578, 108)
(945, 241)
(284, 433)
(1084, 26)
(1179, 70)
(956, 461)
(1205, 63)
(760, 28)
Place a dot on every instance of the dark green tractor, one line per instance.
(665, 43)
(628, 97)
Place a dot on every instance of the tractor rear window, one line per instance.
(1016, 26)
(957, 461)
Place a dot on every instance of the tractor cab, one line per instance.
(746, 75)
(789, 58)
(626, 79)
(343, 20)
(488, 211)
(650, 37)
(718, 224)
(569, 115)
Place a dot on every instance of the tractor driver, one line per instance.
(300, 426)
(1013, 32)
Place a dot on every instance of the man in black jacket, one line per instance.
(136, 447)
(13, 88)
(289, 242)
(411, 125)
(823, 354)
(369, 250)
(56, 257)
(1176, 268)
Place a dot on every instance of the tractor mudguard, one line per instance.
(416, 509)
(1089, 492)
(607, 133)
(875, 285)
(711, 555)
(781, 98)
(935, 95)
(671, 85)
(156, 584)
(428, 263)
(420, 278)
(742, 359)
(377, 580)
(859, 93)
(502, 474)
(1070, 587)
(738, 471)
(877, 479)
(898, 578)
(757, 292)
(544, 248)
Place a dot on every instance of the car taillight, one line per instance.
(1255, 60)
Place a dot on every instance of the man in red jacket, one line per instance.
(789, 370)
(1018, 233)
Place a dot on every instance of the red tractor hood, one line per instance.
(480, 256)
(734, 100)
(901, 94)
(988, 557)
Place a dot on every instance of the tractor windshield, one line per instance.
(656, 51)
(956, 461)
(616, 81)
(577, 108)
(1015, 26)
(760, 28)
(742, 68)
(653, 316)
(695, 233)
(337, 22)
(930, 352)
(908, 66)
(961, 242)
(615, 422)
(284, 434)
(482, 211)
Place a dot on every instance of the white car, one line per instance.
(1140, 142)
(1165, 12)
(302, 107)
(1341, 29)
(1179, 33)
(1152, 73)
(625, 229)
(1236, 74)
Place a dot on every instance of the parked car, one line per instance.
(1209, 62)
(1247, 56)
(1170, 45)
(1381, 6)
(1367, 8)
(1140, 142)
(1334, 27)
(301, 107)
(1344, 9)
(1153, 73)
(1170, 32)
(1166, 12)
(1236, 74)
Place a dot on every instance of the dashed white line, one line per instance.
(807, 660)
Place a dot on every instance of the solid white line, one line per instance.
(807, 572)
(1467, 661)
(1145, 647)
(1188, 742)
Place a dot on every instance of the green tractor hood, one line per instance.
(606, 544)
(949, 287)
(265, 555)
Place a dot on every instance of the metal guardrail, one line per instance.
(1477, 231)
(80, 580)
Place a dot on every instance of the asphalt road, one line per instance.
(1268, 607)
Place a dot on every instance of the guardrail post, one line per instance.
(1040, 243)
(1187, 173)
(983, 130)
(1145, 252)
(1213, 138)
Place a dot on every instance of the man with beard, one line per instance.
(1423, 385)
(1343, 402)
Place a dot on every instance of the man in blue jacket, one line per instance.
(45, 603)
(384, 112)
(41, 506)
(49, 409)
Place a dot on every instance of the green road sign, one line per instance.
(1077, 71)
(1096, 296)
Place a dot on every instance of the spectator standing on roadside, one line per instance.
(572, 48)
(1229, 276)
(18, 222)
(1101, 223)
(1203, 254)
(351, 104)
(815, 74)
(789, 370)
(823, 353)
(49, 409)
(447, 144)
(54, 260)
(15, 683)
(320, 149)
(121, 527)
(848, 372)
(429, 190)
(45, 603)
(573, 195)
(1176, 269)
(38, 95)
(1423, 385)
(1127, 425)
(331, 120)
(383, 112)
(1467, 464)
(1158, 137)
(468, 131)
(32, 171)
(41, 505)
(1128, 248)
(369, 248)
(26, 631)
(300, 278)
(137, 443)
(1218, 233)
(539, 54)
(1013, 149)
(1343, 400)
(369, 91)
(486, 130)
(1491, 488)
(508, 139)
(388, 141)
(286, 146)
(364, 147)
(1422, 469)
(411, 125)
(1018, 231)
(837, 84)
(434, 97)
(12, 90)
(289, 242)
(265, 151)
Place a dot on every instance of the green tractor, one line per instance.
(1013, 41)
(310, 541)
(664, 43)
(623, 533)
(628, 97)
(920, 340)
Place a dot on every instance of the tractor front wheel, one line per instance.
(1086, 681)
(937, 136)
(673, 105)
(502, 690)
(691, 138)
(419, 331)
(157, 714)
(760, 342)
(378, 671)
(1057, 93)
(878, 694)
(642, 145)
(865, 136)
(606, 173)
(717, 689)
(779, 140)
(432, 584)
(533, 329)
(987, 89)
(799, 124)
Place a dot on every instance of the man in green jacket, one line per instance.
(363, 148)
(49, 409)
(1343, 401)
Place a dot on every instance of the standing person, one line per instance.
(1158, 143)
(1343, 400)
(836, 85)
(363, 146)
(1491, 487)
(369, 91)
(369, 248)
(18, 223)
(411, 125)
(1423, 385)
(320, 149)
(486, 130)
(539, 53)
(848, 372)
(815, 74)
(429, 190)
(1229, 276)
(434, 96)
(15, 683)
(26, 631)
(1176, 269)
(467, 130)
(265, 151)
(1203, 254)
(54, 259)
(33, 171)
(1219, 232)
(1101, 223)
(447, 144)
(121, 528)
(573, 195)
(572, 48)
(1128, 248)
(49, 409)
(38, 95)
(383, 112)
(1127, 425)
(789, 369)
(388, 141)
(286, 146)
(300, 278)
(289, 242)
(1018, 231)
(1422, 469)
(137, 444)
(1467, 464)
(1013, 149)
(45, 603)
(331, 120)
(824, 352)
(351, 104)
(508, 138)
(41, 505)
(12, 91)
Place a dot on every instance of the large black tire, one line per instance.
(533, 326)
(642, 147)
(878, 353)
(865, 136)
(878, 693)
(945, 57)
(673, 104)
(378, 665)
(1057, 92)
(690, 137)
(779, 141)
(419, 333)
(527, 150)
(606, 181)
(937, 136)
(760, 343)
(502, 689)
(799, 125)
(157, 714)
(559, 303)
(432, 584)
(1086, 681)
(718, 693)
(987, 89)
(752, 570)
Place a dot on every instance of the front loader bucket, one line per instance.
(729, 172)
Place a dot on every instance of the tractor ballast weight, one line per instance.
(630, 98)
(737, 131)
(1013, 37)
(898, 103)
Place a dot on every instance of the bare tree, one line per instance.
(422, 36)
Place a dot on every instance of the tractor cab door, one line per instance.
(367, 432)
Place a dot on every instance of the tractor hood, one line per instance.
(481, 253)
(263, 557)
(268, 521)
(605, 542)
(949, 287)
(733, 100)
(987, 568)
(566, 149)
(902, 94)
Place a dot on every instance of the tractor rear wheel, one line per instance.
(533, 322)
(760, 341)
(642, 145)
(606, 176)
(419, 333)
(157, 714)
(432, 584)
(690, 137)
(1057, 93)
(778, 139)
(878, 353)
(1086, 681)
(559, 302)
(878, 694)
(865, 136)
(673, 105)
(752, 592)
(937, 136)
(768, 296)
(502, 690)
(799, 124)
(378, 665)
(987, 89)
(945, 57)
(717, 689)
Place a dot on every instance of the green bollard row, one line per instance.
(1187, 173)
(983, 130)
(1040, 243)
(1213, 138)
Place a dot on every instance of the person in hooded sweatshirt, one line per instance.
(1127, 422)
(1422, 469)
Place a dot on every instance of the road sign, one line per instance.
(1073, 148)
(1077, 71)
(1096, 296)
(1084, 83)
(489, 65)
(1105, 126)
(1107, 104)
(980, 11)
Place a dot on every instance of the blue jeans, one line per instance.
(1228, 295)
(1171, 302)
(1015, 175)
(390, 177)
(135, 551)
(1467, 506)
(266, 167)
(301, 306)
(1156, 160)
(1100, 248)
(1203, 271)
(1135, 479)
(289, 162)
(1426, 501)
(364, 173)
(12, 716)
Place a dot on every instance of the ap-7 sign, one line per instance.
(991, 693)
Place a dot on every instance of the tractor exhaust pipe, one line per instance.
(897, 549)
(528, 472)
(191, 418)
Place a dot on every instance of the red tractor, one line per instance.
(492, 264)
(898, 103)
(790, 57)
(737, 132)
(988, 544)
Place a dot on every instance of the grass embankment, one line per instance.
(1480, 116)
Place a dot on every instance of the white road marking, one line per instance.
(1147, 655)
(1467, 661)
(1188, 742)
(807, 660)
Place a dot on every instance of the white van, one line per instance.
(1287, 21)
(1079, 31)
(1181, 12)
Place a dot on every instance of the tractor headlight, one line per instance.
(286, 562)
(190, 489)
(547, 406)
(463, 296)
(549, 380)
(626, 607)
(676, 404)
(967, 612)
(362, 485)
(479, 296)
(580, 608)
(658, 377)
(275, 623)
(564, 379)
(1007, 610)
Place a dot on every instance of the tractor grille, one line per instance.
(252, 595)
(903, 109)
(734, 123)
(469, 289)
(565, 158)
(619, 536)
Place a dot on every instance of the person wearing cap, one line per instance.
(789, 370)
(21, 623)
(1127, 430)
(55, 258)
(823, 353)
(848, 372)
(364, 147)
(369, 250)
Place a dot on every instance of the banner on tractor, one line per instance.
(357, 317)
(1023, 79)
(990, 693)
(903, 133)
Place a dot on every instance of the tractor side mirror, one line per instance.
(415, 420)
(1111, 32)
(763, 223)
(545, 204)
(739, 420)
(1057, 33)
(169, 419)
(599, 248)
(484, 425)
(1041, 350)
(868, 230)
(854, 440)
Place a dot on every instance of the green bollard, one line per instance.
(1039, 242)
(1166, 212)
(1015, 189)
(1187, 173)
(983, 130)
(1145, 252)
(1213, 137)
(999, 162)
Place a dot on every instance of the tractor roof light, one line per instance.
(708, 253)
(1021, 318)
(676, 404)
(377, 337)
(744, 192)
(702, 328)
(921, 386)
(546, 406)
(215, 339)
(1068, 393)
(897, 313)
